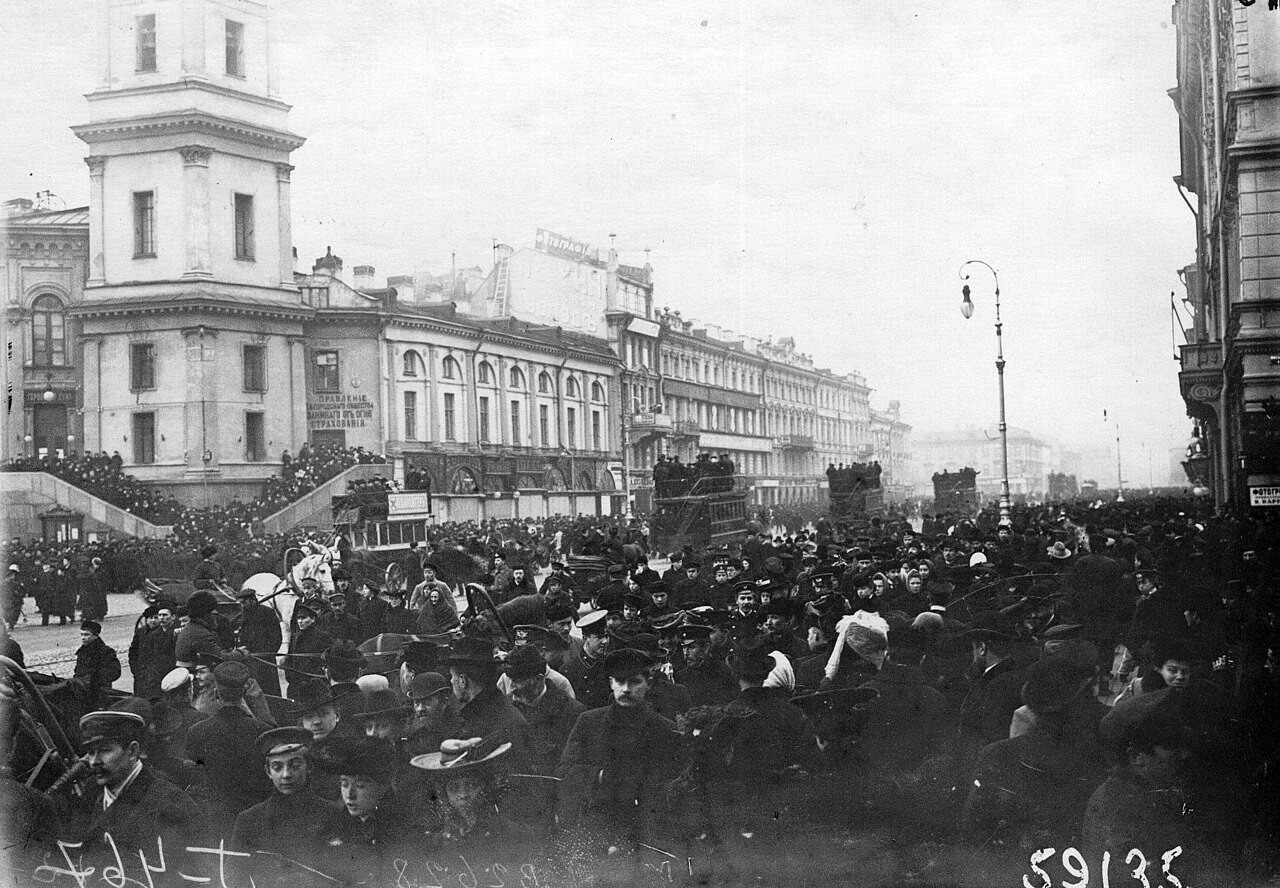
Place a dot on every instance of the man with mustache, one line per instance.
(127, 798)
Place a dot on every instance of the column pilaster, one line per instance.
(196, 208)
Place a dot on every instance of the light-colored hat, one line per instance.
(456, 755)
(175, 678)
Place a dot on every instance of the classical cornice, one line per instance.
(188, 123)
(462, 330)
(184, 297)
(186, 84)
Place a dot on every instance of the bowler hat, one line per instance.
(208, 551)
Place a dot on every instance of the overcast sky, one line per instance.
(816, 169)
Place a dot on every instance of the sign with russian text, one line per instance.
(339, 411)
(1264, 497)
(559, 245)
(413, 504)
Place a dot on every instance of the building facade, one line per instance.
(1030, 461)
(46, 254)
(686, 387)
(1228, 103)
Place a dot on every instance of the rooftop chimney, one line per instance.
(328, 264)
(611, 281)
(362, 277)
(404, 287)
(18, 206)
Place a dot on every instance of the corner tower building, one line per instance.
(192, 323)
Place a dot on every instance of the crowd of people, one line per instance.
(706, 474)
(942, 707)
(104, 477)
(855, 474)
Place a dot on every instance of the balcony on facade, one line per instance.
(794, 442)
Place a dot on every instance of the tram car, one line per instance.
(854, 490)
(956, 491)
(699, 512)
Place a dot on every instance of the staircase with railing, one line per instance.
(315, 509)
(41, 490)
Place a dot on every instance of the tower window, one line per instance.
(255, 368)
(327, 371)
(48, 333)
(244, 226)
(235, 48)
(145, 29)
(255, 446)
(144, 438)
(144, 224)
(142, 366)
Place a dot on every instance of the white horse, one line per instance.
(283, 593)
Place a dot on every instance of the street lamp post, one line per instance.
(966, 308)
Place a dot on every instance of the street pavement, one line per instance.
(52, 649)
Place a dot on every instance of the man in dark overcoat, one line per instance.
(291, 821)
(260, 634)
(619, 758)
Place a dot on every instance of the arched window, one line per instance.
(515, 379)
(48, 332)
(463, 481)
(485, 371)
(597, 392)
(572, 389)
(544, 383)
(412, 363)
(451, 369)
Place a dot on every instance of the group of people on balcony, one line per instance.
(671, 477)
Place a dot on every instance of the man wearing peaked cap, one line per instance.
(618, 758)
(583, 670)
(291, 821)
(129, 799)
(705, 676)
(223, 749)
